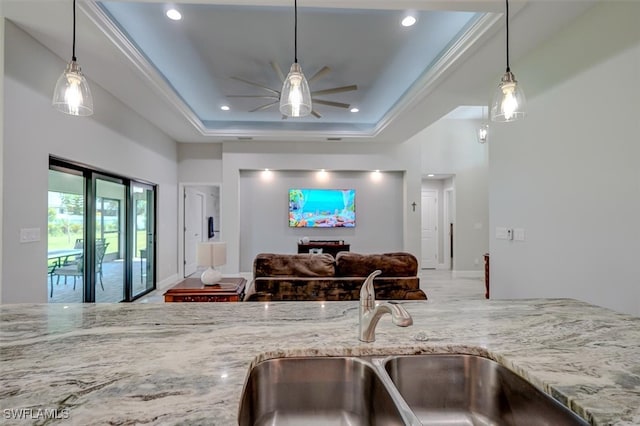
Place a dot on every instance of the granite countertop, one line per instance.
(186, 362)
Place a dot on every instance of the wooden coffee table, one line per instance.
(192, 290)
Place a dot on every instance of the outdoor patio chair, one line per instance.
(76, 270)
(52, 268)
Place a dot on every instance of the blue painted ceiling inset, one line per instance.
(198, 55)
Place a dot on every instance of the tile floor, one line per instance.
(439, 286)
(112, 282)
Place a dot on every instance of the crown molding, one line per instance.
(421, 88)
(435, 74)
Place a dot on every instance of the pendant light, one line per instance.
(483, 130)
(483, 133)
(295, 98)
(509, 103)
(72, 95)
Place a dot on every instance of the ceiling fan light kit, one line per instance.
(72, 94)
(509, 103)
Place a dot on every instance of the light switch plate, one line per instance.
(501, 233)
(518, 234)
(29, 235)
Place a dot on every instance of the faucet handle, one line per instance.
(367, 291)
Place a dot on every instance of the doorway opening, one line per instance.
(200, 220)
(437, 221)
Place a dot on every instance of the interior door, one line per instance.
(193, 223)
(429, 258)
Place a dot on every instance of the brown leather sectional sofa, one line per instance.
(323, 277)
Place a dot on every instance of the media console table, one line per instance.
(192, 290)
(331, 247)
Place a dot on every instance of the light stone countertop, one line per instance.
(185, 363)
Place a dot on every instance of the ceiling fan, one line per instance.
(274, 94)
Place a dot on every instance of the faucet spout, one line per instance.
(370, 314)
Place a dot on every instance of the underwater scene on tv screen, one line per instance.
(322, 208)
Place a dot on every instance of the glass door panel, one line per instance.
(65, 236)
(101, 236)
(109, 244)
(142, 256)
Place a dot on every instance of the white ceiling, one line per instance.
(177, 74)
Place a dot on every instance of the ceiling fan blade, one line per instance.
(315, 114)
(260, 108)
(278, 71)
(330, 103)
(321, 72)
(268, 89)
(253, 96)
(335, 90)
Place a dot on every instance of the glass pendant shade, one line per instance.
(483, 133)
(295, 98)
(509, 103)
(72, 95)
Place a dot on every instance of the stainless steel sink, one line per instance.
(316, 391)
(447, 390)
(469, 390)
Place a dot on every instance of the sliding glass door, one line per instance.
(110, 245)
(142, 253)
(65, 236)
(101, 240)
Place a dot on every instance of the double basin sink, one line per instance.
(452, 390)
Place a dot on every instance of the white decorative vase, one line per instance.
(211, 276)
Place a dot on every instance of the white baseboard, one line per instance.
(167, 282)
(442, 266)
(468, 274)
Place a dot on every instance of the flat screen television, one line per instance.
(322, 208)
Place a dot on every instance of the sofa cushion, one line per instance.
(349, 264)
(327, 288)
(297, 265)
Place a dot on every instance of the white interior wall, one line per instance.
(200, 163)
(569, 173)
(115, 139)
(339, 156)
(450, 147)
(2, 20)
(264, 212)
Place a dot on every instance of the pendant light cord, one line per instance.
(295, 29)
(507, 19)
(73, 54)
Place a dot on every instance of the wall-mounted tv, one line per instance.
(322, 208)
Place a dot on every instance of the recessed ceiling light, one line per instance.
(430, 175)
(355, 110)
(174, 14)
(225, 107)
(408, 21)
